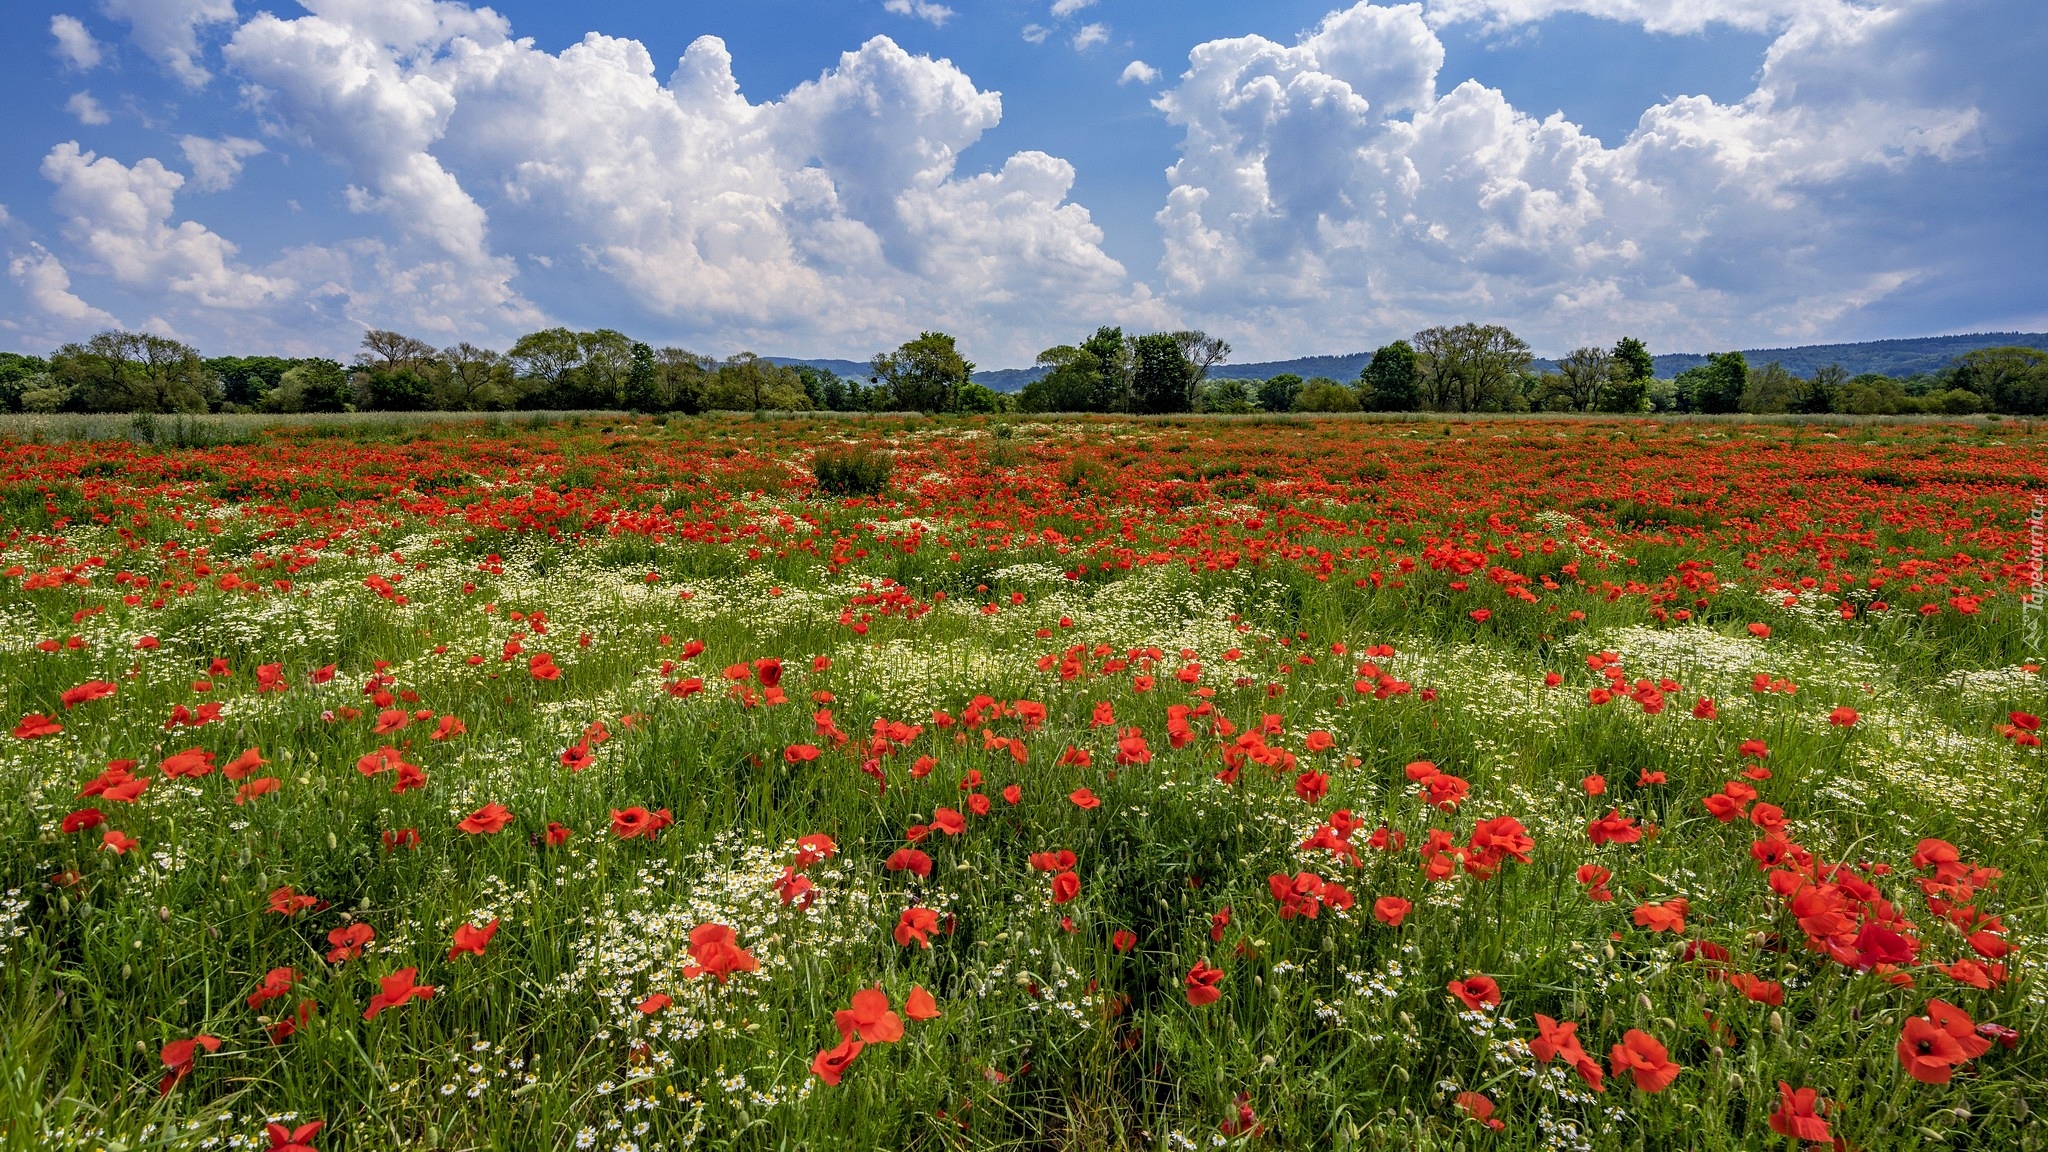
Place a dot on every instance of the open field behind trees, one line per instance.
(956, 783)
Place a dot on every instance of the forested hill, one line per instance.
(1889, 357)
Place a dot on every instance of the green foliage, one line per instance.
(2011, 379)
(398, 390)
(311, 386)
(18, 374)
(747, 382)
(1471, 368)
(1323, 394)
(978, 399)
(642, 392)
(1277, 393)
(1716, 386)
(858, 470)
(1769, 389)
(1163, 379)
(924, 375)
(1392, 380)
(132, 372)
(1228, 397)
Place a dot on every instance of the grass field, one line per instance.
(1173, 784)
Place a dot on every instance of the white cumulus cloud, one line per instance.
(168, 31)
(75, 43)
(1138, 72)
(121, 216)
(1090, 35)
(1061, 9)
(87, 109)
(217, 164)
(834, 214)
(48, 285)
(938, 14)
(1326, 188)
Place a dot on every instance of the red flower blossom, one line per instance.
(1475, 991)
(1640, 1055)
(1065, 887)
(298, 1139)
(36, 725)
(919, 1005)
(831, 1063)
(1932, 1046)
(909, 860)
(1391, 910)
(869, 1020)
(715, 948)
(1083, 798)
(916, 924)
(1798, 1115)
(396, 989)
(1202, 984)
(180, 1056)
(472, 940)
(630, 823)
(487, 820)
(348, 941)
(1479, 1108)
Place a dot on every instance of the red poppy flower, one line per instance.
(487, 820)
(1639, 1054)
(36, 725)
(1474, 991)
(916, 924)
(1798, 1115)
(1666, 917)
(919, 1005)
(120, 842)
(909, 860)
(286, 902)
(1613, 828)
(1083, 798)
(1843, 717)
(655, 1003)
(395, 990)
(1124, 940)
(1479, 1108)
(276, 982)
(869, 1020)
(715, 948)
(1391, 910)
(629, 823)
(180, 1056)
(1202, 984)
(831, 1063)
(348, 941)
(86, 693)
(83, 820)
(1065, 887)
(472, 940)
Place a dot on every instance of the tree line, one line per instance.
(1459, 368)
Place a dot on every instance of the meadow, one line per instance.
(603, 783)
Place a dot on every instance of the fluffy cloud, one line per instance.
(938, 14)
(168, 30)
(1061, 9)
(75, 45)
(832, 215)
(1327, 187)
(1138, 72)
(217, 164)
(1671, 16)
(1090, 35)
(121, 216)
(48, 286)
(87, 109)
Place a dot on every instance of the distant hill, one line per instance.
(1891, 357)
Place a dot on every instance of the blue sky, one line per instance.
(828, 177)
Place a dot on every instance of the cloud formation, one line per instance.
(168, 31)
(217, 164)
(938, 14)
(75, 44)
(1327, 186)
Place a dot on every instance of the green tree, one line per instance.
(246, 380)
(1202, 351)
(399, 390)
(747, 382)
(1716, 386)
(133, 372)
(547, 362)
(924, 375)
(980, 399)
(1580, 380)
(685, 380)
(642, 390)
(19, 373)
(1817, 393)
(1227, 397)
(473, 379)
(1076, 382)
(2013, 380)
(1628, 388)
(1162, 380)
(1873, 394)
(1769, 389)
(1116, 358)
(1322, 394)
(1391, 381)
(311, 386)
(607, 362)
(1471, 368)
(1277, 393)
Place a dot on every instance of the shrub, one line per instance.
(1321, 395)
(855, 471)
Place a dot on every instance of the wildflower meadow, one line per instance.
(610, 783)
